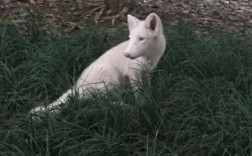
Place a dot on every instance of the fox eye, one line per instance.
(141, 38)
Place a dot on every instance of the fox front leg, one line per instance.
(136, 83)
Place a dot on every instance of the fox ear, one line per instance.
(153, 22)
(132, 21)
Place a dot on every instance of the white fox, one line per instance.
(124, 63)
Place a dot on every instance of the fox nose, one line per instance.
(126, 54)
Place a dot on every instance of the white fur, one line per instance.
(123, 63)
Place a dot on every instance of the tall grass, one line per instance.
(199, 103)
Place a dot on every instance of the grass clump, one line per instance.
(199, 103)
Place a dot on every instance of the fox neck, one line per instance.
(157, 53)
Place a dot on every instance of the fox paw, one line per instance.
(38, 113)
(41, 112)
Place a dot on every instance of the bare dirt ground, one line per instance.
(57, 16)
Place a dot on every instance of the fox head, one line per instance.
(146, 37)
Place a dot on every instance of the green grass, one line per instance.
(199, 103)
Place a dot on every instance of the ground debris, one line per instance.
(69, 15)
